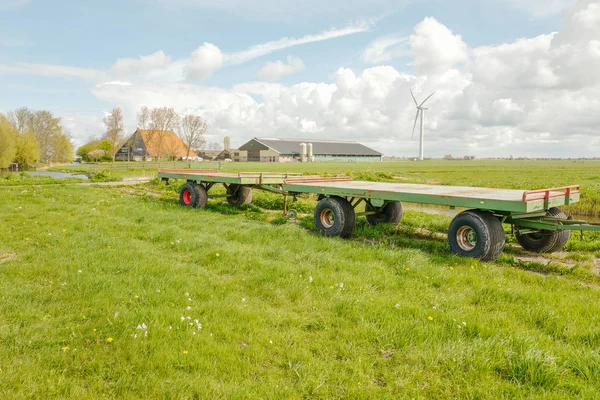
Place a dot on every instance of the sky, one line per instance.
(510, 77)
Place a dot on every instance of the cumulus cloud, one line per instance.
(203, 62)
(274, 71)
(435, 48)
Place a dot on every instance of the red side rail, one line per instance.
(546, 194)
(314, 179)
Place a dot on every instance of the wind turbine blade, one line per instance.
(415, 125)
(427, 98)
(413, 96)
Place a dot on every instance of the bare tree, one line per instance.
(114, 130)
(164, 121)
(20, 118)
(144, 120)
(192, 130)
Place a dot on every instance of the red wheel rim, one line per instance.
(187, 197)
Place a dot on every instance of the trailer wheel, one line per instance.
(476, 234)
(238, 194)
(193, 195)
(545, 241)
(334, 216)
(391, 213)
(350, 216)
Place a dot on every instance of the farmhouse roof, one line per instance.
(329, 147)
(171, 144)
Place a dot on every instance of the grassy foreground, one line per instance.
(121, 293)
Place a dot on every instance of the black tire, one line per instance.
(334, 216)
(350, 216)
(239, 195)
(476, 234)
(391, 213)
(545, 241)
(193, 195)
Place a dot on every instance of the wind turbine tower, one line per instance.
(420, 112)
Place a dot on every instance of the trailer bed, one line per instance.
(506, 200)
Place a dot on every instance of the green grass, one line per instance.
(284, 312)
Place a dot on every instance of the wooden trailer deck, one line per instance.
(501, 200)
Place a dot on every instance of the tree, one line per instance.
(114, 130)
(46, 129)
(100, 148)
(143, 120)
(62, 148)
(8, 135)
(20, 118)
(192, 130)
(163, 121)
(28, 151)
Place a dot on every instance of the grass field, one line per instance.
(118, 292)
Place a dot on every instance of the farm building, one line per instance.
(304, 150)
(147, 145)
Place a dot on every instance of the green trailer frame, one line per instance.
(534, 215)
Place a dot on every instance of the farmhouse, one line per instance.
(145, 145)
(304, 150)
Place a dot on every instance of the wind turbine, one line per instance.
(420, 111)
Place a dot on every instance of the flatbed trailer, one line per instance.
(535, 219)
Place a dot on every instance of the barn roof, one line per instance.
(330, 147)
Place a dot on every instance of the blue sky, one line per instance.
(41, 36)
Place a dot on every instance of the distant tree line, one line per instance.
(157, 122)
(29, 137)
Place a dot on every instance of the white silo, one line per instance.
(310, 157)
(303, 155)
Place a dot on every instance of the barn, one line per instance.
(304, 150)
(145, 145)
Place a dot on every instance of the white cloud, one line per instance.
(274, 71)
(435, 48)
(384, 49)
(203, 62)
(135, 66)
(285, 43)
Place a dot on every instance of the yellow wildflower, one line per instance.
(430, 318)
(109, 340)
(65, 348)
(185, 352)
